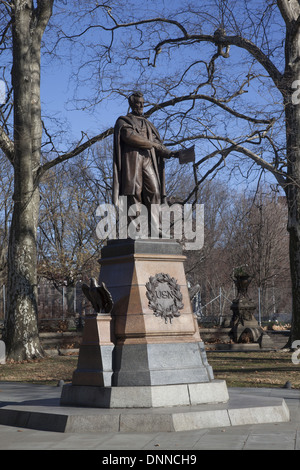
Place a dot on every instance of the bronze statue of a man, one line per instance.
(138, 169)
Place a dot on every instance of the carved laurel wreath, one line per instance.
(155, 305)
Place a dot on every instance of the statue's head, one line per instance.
(136, 103)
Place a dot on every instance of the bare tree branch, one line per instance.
(76, 151)
(218, 102)
(6, 145)
(42, 14)
(235, 147)
(225, 41)
(280, 177)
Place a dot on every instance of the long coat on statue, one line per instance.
(125, 158)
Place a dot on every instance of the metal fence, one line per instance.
(54, 303)
(272, 303)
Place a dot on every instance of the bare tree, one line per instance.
(23, 151)
(260, 240)
(68, 247)
(240, 231)
(23, 23)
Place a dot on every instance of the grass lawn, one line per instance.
(255, 368)
(239, 369)
(47, 371)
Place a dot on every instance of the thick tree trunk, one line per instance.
(293, 200)
(292, 189)
(295, 276)
(21, 332)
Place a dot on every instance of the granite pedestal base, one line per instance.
(145, 396)
(148, 352)
(160, 364)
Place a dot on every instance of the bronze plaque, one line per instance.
(165, 298)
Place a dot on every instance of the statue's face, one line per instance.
(138, 106)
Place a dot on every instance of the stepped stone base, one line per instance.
(42, 411)
(145, 396)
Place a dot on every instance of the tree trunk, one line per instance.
(21, 331)
(293, 200)
(292, 189)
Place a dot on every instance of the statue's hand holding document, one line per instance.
(185, 155)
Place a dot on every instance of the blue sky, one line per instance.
(56, 91)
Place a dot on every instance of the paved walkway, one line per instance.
(282, 436)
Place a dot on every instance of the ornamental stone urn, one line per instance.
(244, 326)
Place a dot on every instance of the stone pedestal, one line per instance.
(153, 346)
(151, 338)
(95, 366)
